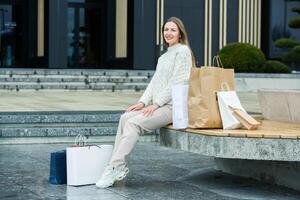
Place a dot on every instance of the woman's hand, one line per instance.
(148, 111)
(135, 107)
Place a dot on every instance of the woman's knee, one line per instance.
(124, 117)
(133, 126)
(133, 122)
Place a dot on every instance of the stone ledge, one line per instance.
(275, 161)
(232, 147)
(280, 105)
(274, 172)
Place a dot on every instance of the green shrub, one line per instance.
(242, 57)
(285, 43)
(297, 49)
(296, 10)
(293, 56)
(294, 23)
(272, 66)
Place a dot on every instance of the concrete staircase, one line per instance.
(61, 126)
(53, 127)
(116, 80)
(74, 79)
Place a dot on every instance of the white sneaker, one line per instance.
(111, 175)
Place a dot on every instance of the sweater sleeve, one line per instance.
(147, 95)
(181, 73)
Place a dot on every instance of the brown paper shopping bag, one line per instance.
(204, 84)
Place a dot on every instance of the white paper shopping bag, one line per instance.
(180, 107)
(225, 100)
(85, 164)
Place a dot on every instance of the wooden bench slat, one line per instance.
(268, 129)
(254, 135)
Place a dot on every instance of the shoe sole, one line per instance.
(119, 178)
(105, 186)
(123, 175)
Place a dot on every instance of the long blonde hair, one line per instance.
(183, 39)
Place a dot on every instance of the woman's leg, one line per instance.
(130, 127)
(136, 126)
(123, 119)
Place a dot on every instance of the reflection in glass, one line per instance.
(280, 14)
(84, 36)
(6, 35)
(71, 15)
(10, 35)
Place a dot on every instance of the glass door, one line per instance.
(86, 35)
(11, 32)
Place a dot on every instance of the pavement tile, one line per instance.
(87, 100)
(156, 172)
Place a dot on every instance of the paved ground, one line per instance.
(156, 173)
(66, 100)
(85, 100)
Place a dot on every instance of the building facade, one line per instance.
(126, 34)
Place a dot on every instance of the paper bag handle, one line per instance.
(217, 60)
(225, 86)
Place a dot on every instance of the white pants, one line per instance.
(134, 124)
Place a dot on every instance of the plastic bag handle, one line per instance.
(80, 140)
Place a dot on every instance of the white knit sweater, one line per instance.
(173, 68)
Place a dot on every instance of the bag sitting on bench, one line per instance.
(247, 120)
(233, 115)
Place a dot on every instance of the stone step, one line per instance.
(96, 72)
(60, 130)
(59, 117)
(65, 129)
(59, 124)
(126, 73)
(108, 86)
(55, 125)
(63, 79)
(104, 80)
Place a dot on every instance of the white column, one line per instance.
(121, 28)
(161, 21)
(240, 20)
(225, 23)
(259, 24)
(158, 26)
(40, 28)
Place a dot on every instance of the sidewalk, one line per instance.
(155, 173)
(86, 100)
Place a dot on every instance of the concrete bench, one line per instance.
(270, 154)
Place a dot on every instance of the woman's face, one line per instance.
(171, 33)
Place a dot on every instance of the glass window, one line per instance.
(280, 14)
(85, 37)
(11, 32)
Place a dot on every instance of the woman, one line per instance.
(154, 109)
